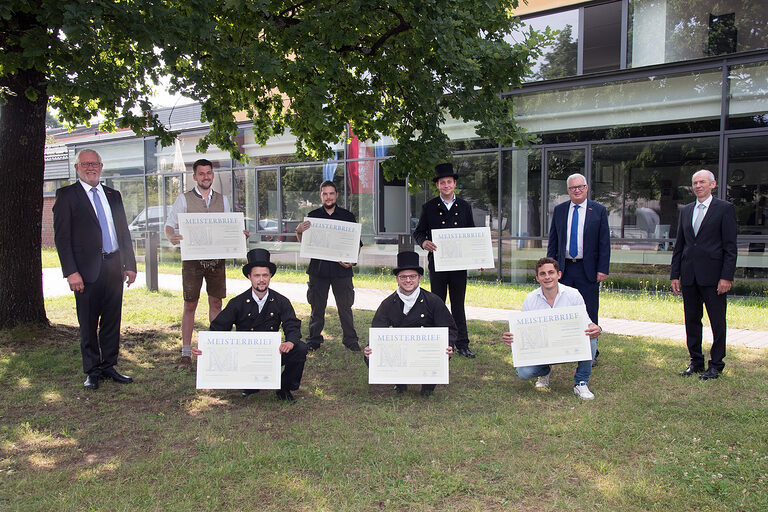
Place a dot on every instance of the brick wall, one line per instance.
(48, 221)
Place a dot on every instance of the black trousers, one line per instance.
(317, 296)
(453, 282)
(294, 366)
(695, 297)
(575, 277)
(99, 307)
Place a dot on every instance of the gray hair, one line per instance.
(87, 150)
(575, 175)
(710, 174)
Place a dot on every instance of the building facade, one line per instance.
(635, 94)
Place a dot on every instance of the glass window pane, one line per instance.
(644, 184)
(748, 183)
(690, 99)
(120, 159)
(301, 191)
(360, 178)
(602, 38)
(560, 58)
(748, 96)
(670, 31)
(179, 156)
(560, 165)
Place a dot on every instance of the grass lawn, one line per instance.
(649, 441)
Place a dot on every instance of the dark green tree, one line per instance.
(395, 68)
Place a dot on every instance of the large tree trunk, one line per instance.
(22, 162)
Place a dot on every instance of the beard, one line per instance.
(261, 288)
(204, 186)
(329, 207)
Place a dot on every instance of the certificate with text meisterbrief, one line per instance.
(549, 336)
(462, 248)
(331, 240)
(212, 236)
(238, 360)
(414, 355)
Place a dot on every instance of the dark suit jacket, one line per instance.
(434, 215)
(429, 311)
(243, 312)
(78, 235)
(596, 243)
(711, 255)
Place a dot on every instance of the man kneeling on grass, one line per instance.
(412, 306)
(262, 309)
(553, 295)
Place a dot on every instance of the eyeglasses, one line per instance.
(408, 277)
(577, 187)
(92, 165)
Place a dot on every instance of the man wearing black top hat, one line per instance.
(324, 275)
(446, 211)
(412, 306)
(263, 309)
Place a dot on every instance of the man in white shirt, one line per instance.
(552, 295)
(201, 199)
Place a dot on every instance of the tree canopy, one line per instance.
(393, 68)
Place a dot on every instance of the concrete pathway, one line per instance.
(54, 285)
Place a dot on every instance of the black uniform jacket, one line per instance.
(434, 215)
(243, 312)
(429, 311)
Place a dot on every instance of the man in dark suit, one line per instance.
(703, 265)
(579, 239)
(94, 246)
(262, 309)
(411, 306)
(446, 211)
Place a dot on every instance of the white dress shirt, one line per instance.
(566, 296)
(698, 211)
(107, 209)
(180, 206)
(582, 217)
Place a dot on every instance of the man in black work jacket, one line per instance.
(329, 274)
(446, 211)
(262, 309)
(412, 306)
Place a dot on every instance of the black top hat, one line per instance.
(258, 258)
(408, 260)
(443, 171)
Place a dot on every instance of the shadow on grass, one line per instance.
(487, 441)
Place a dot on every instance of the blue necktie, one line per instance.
(106, 240)
(573, 250)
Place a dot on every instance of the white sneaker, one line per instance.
(542, 383)
(582, 391)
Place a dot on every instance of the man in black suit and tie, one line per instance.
(579, 239)
(446, 211)
(703, 265)
(94, 246)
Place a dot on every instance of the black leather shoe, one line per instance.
(111, 373)
(284, 394)
(354, 347)
(427, 392)
(691, 370)
(313, 346)
(466, 353)
(249, 392)
(92, 382)
(401, 388)
(711, 373)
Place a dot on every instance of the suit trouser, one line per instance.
(695, 297)
(294, 366)
(575, 276)
(453, 282)
(317, 296)
(99, 307)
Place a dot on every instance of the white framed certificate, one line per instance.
(550, 336)
(462, 248)
(212, 236)
(413, 355)
(331, 240)
(238, 360)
